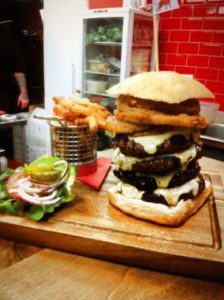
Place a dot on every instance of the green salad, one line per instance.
(37, 189)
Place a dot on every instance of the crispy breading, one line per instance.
(115, 126)
(189, 107)
(143, 116)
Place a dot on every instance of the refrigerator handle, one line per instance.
(75, 90)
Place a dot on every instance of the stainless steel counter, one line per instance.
(18, 121)
(213, 139)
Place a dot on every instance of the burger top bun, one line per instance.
(166, 86)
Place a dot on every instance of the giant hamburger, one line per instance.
(156, 129)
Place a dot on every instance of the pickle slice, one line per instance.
(43, 172)
(39, 168)
(45, 177)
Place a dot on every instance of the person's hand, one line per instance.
(23, 100)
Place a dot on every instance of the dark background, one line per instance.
(26, 24)
(23, 19)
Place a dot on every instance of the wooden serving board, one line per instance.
(91, 227)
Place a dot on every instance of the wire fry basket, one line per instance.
(75, 144)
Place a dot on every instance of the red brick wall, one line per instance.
(191, 41)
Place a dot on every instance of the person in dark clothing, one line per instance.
(13, 88)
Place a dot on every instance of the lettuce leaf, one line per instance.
(7, 172)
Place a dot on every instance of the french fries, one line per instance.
(81, 112)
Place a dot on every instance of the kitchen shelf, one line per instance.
(141, 46)
(117, 44)
(100, 73)
(100, 94)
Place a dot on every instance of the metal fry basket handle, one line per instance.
(51, 118)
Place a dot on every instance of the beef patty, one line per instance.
(175, 144)
(162, 164)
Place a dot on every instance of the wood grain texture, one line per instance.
(55, 275)
(91, 227)
(12, 252)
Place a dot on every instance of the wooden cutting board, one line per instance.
(92, 227)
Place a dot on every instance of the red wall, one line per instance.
(191, 41)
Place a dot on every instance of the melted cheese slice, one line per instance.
(150, 143)
(124, 162)
(186, 156)
(163, 181)
(172, 196)
(129, 191)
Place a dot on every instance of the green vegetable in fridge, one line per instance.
(107, 33)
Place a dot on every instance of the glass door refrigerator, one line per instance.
(116, 43)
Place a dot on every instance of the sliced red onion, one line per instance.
(62, 162)
(31, 187)
(26, 195)
(37, 200)
(13, 190)
(53, 201)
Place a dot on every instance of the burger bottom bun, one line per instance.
(146, 117)
(159, 213)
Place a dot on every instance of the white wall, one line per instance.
(62, 46)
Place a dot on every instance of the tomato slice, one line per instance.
(12, 185)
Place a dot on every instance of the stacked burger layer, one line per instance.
(157, 146)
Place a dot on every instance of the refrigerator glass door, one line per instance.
(102, 58)
(142, 44)
(116, 44)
